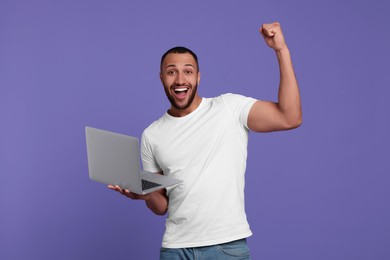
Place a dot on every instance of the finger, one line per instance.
(269, 31)
(271, 25)
(264, 32)
(261, 30)
(131, 195)
(126, 193)
(112, 187)
(119, 189)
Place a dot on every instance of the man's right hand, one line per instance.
(128, 193)
(156, 201)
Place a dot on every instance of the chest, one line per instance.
(195, 141)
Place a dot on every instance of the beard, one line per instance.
(186, 105)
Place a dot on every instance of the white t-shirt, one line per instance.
(207, 149)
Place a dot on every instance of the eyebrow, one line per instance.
(187, 65)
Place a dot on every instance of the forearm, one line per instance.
(288, 97)
(157, 202)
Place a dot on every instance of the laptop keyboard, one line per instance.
(148, 185)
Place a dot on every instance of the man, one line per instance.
(203, 141)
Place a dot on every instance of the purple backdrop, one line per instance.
(319, 192)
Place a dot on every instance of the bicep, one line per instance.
(266, 116)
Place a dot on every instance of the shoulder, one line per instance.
(235, 100)
(154, 126)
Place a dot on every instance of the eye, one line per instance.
(171, 72)
(188, 72)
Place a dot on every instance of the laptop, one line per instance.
(114, 159)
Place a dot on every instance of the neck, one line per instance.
(176, 112)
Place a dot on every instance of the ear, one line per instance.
(198, 77)
(161, 77)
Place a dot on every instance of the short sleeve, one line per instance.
(149, 162)
(239, 107)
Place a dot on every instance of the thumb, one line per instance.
(261, 31)
(268, 30)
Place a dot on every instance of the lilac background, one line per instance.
(318, 192)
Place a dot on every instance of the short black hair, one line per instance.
(181, 50)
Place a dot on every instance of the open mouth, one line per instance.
(180, 92)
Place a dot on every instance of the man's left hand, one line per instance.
(273, 36)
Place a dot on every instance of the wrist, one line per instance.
(283, 54)
(282, 50)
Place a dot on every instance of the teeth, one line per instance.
(180, 89)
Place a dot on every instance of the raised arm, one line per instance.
(266, 116)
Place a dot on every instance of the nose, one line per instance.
(179, 80)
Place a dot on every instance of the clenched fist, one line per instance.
(273, 36)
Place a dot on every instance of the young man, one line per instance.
(203, 141)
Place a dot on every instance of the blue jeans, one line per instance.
(233, 250)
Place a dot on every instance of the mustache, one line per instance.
(181, 85)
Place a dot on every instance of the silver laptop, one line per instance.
(115, 159)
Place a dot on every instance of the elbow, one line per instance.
(297, 124)
(292, 117)
(294, 122)
(160, 213)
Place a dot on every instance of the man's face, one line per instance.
(180, 77)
